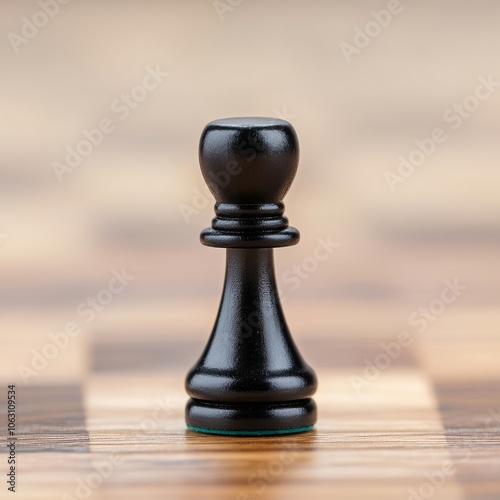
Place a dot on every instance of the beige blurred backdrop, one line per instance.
(358, 102)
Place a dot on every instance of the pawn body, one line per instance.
(250, 379)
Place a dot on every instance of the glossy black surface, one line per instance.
(249, 165)
(251, 417)
(250, 375)
(260, 156)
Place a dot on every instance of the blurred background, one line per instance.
(364, 83)
(107, 297)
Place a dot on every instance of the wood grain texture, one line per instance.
(125, 419)
(113, 399)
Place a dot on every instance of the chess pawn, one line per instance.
(250, 379)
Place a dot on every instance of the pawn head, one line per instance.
(249, 160)
(249, 165)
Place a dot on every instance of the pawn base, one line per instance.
(250, 433)
(251, 419)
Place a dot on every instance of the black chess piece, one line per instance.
(250, 379)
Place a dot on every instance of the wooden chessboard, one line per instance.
(115, 403)
(103, 418)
